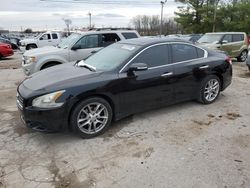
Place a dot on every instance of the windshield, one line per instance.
(69, 40)
(110, 57)
(210, 38)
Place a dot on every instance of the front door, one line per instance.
(86, 46)
(142, 90)
(45, 40)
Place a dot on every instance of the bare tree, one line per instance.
(67, 22)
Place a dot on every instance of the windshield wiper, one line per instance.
(82, 64)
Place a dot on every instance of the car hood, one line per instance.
(43, 51)
(27, 41)
(59, 77)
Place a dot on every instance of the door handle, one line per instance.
(167, 74)
(204, 67)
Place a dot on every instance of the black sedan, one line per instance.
(122, 79)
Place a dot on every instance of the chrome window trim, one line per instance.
(205, 55)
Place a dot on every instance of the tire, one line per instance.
(247, 65)
(31, 46)
(88, 121)
(48, 65)
(207, 95)
(243, 56)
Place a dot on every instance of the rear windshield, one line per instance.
(129, 35)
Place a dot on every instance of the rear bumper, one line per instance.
(227, 78)
(8, 52)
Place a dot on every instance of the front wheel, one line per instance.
(210, 89)
(91, 117)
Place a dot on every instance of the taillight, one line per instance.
(229, 60)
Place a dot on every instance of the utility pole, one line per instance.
(90, 26)
(215, 14)
(162, 5)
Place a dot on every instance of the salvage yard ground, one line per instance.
(184, 145)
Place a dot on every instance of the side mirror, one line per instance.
(138, 67)
(76, 47)
(224, 42)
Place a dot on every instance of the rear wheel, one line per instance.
(210, 89)
(91, 117)
(31, 46)
(243, 56)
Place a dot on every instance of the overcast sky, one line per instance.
(49, 14)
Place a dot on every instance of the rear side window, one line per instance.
(129, 35)
(109, 38)
(184, 52)
(54, 36)
(238, 37)
(154, 56)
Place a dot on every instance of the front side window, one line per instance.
(109, 38)
(184, 52)
(45, 37)
(228, 38)
(89, 41)
(238, 38)
(210, 38)
(154, 56)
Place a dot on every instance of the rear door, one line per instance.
(55, 38)
(190, 67)
(238, 43)
(150, 88)
(88, 44)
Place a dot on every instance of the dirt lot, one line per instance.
(185, 145)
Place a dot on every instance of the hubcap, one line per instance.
(92, 118)
(243, 56)
(212, 89)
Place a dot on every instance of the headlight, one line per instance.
(48, 101)
(29, 60)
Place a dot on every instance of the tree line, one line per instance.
(199, 16)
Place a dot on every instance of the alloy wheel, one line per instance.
(212, 89)
(243, 56)
(92, 118)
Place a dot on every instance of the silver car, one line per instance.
(77, 46)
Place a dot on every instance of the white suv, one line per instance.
(77, 46)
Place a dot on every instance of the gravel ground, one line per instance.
(184, 145)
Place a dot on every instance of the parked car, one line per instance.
(77, 46)
(234, 43)
(7, 41)
(140, 73)
(248, 61)
(44, 39)
(5, 50)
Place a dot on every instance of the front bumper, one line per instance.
(42, 120)
(7, 53)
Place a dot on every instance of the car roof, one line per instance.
(227, 33)
(141, 41)
(106, 31)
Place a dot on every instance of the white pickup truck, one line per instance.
(77, 46)
(44, 39)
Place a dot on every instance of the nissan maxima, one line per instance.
(120, 80)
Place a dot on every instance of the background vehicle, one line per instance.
(44, 39)
(5, 50)
(140, 73)
(77, 46)
(7, 41)
(192, 37)
(234, 43)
